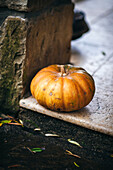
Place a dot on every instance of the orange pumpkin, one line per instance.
(63, 87)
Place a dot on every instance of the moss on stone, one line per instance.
(9, 49)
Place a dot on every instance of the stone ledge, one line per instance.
(84, 117)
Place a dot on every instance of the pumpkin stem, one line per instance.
(62, 70)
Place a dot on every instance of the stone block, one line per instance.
(30, 5)
(12, 55)
(28, 42)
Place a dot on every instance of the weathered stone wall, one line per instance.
(30, 41)
(12, 55)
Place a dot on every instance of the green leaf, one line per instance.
(76, 164)
(36, 150)
(74, 142)
(6, 121)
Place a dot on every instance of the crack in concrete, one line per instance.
(100, 66)
(101, 16)
(84, 42)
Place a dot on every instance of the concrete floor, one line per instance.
(94, 52)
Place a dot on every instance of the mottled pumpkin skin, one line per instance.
(63, 88)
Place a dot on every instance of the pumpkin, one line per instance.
(63, 87)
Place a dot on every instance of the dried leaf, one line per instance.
(12, 166)
(70, 153)
(1, 124)
(76, 164)
(15, 124)
(37, 129)
(12, 121)
(21, 122)
(29, 149)
(10, 116)
(51, 135)
(74, 142)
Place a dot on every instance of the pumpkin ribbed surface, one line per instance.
(63, 87)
